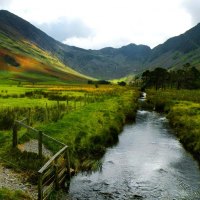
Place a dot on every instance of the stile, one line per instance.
(50, 180)
(55, 170)
(47, 190)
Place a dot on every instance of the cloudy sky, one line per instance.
(94, 24)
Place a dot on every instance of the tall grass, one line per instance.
(6, 194)
(86, 118)
(183, 111)
(185, 119)
(90, 130)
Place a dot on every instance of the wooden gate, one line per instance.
(54, 173)
(56, 170)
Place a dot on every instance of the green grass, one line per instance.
(25, 102)
(162, 100)
(13, 89)
(183, 111)
(90, 130)
(6, 194)
(185, 119)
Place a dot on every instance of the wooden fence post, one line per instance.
(68, 162)
(15, 140)
(40, 192)
(56, 174)
(40, 144)
(29, 119)
(59, 110)
(47, 113)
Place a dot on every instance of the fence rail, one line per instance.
(53, 173)
(56, 170)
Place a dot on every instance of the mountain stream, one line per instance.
(148, 163)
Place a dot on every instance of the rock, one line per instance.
(72, 172)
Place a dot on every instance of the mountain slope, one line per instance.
(99, 64)
(106, 63)
(177, 51)
(22, 60)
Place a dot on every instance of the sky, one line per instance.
(95, 24)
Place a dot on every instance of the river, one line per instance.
(148, 163)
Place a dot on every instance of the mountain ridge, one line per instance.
(109, 62)
(21, 59)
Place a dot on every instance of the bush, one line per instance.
(7, 118)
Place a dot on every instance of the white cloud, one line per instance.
(96, 42)
(100, 23)
(193, 9)
(62, 28)
(5, 4)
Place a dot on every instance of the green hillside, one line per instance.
(19, 37)
(22, 61)
(107, 63)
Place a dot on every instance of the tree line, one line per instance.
(186, 78)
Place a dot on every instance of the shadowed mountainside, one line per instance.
(106, 63)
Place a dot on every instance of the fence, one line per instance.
(56, 170)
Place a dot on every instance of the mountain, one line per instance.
(23, 59)
(106, 63)
(177, 51)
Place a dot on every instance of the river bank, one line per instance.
(182, 108)
(90, 130)
(147, 163)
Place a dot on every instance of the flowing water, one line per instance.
(148, 163)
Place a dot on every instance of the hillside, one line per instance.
(105, 63)
(20, 38)
(21, 59)
(177, 51)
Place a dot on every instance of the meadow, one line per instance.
(86, 117)
(183, 111)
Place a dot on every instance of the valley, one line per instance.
(90, 101)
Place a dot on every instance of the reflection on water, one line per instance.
(147, 163)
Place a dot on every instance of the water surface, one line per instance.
(147, 163)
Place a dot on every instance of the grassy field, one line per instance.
(183, 111)
(88, 118)
(90, 130)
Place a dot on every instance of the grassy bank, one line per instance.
(6, 194)
(85, 117)
(185, 119)
(183, 111)
(90, 130)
